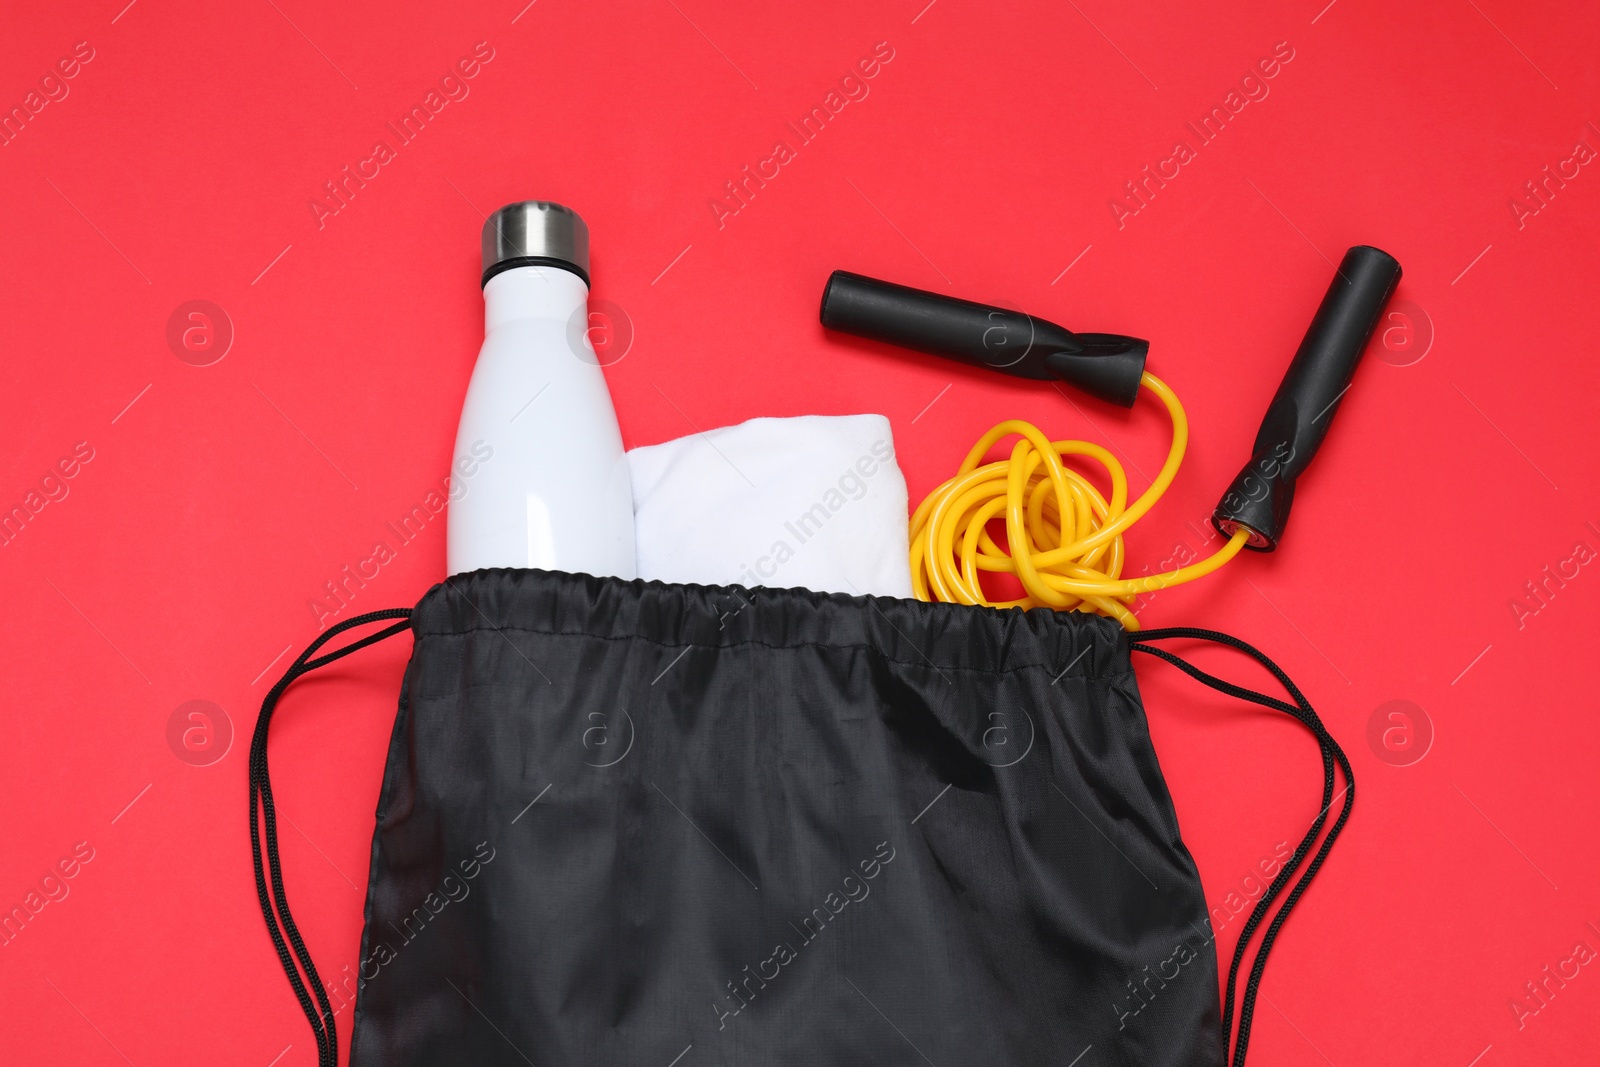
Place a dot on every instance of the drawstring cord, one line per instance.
(280, 924)
(1331, 754)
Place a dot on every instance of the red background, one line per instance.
(983, 162)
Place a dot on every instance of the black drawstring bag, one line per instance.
(636, 823)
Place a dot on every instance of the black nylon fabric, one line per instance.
(637, 823)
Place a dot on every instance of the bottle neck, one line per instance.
(539, 292)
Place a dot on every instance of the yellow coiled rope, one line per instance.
(1063, 537)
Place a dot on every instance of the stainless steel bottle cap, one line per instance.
(535, 233)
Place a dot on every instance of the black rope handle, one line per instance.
(280, 924)
(1332, 754)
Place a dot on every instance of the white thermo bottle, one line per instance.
(539, 478)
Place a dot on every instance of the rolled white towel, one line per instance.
(815, 501)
